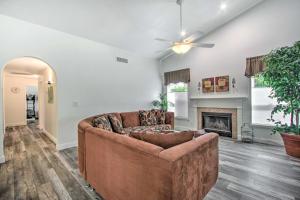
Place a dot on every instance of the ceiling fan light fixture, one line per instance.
(181, 48)
(223, 6)
(183, 33)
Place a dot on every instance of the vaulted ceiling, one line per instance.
(128, 24)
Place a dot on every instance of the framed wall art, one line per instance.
(222, 83)
(208, 85)
(50, 94)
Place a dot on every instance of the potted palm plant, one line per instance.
(282, 74)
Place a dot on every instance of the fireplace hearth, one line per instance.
(220, 123)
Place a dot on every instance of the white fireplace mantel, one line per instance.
(221, 101)
(219, 97)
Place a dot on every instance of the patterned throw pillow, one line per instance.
(147, 118)
(160, 116)
(102, 122)
(116, 124)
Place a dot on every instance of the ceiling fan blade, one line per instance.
(165, 50)
(203, 45)
(168, 54)
(195, 36)
(164, 40)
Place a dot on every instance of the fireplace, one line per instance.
(220, 123)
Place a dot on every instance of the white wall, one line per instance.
(89, 80)
(15, 103)
(272, 24)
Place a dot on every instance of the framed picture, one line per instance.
(50, 94)
(208, 85)
(222, 83)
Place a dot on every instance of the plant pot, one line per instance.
(291, 144)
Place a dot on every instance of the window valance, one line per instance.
(254, 65)
(177, 76)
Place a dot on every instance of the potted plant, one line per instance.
(282, 74)
(162, 103)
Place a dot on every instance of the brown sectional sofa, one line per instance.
(120, 167)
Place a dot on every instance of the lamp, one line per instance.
(181, 48)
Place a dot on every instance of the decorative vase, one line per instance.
(291, 144)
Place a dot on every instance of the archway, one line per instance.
(20, 74)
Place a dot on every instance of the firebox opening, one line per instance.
(220, 123)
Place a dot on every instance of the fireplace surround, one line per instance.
(219, 112)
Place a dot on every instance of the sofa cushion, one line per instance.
(160, 116)
(161, 127)
(164, 140)
(102, 122)
(147, 117)
(116, 114)
(155, 128)
(130, 119)
(116, 124)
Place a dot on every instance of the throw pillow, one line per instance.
(116, 124)
(160, 116)
(102, 122)
(147, 118)
(164, 140)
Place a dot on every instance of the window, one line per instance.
(177, 95)
(262, 104)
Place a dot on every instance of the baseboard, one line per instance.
(268, 141)
(16, 124)
(60, 147)
(257, 140)
(50, 136)
(183, 128)
(2, 159)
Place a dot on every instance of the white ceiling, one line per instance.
(128, 24)
(25, 66)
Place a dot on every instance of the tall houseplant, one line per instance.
(282, 74)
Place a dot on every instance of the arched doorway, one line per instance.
(29, 95)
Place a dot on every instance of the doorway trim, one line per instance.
(50, 136)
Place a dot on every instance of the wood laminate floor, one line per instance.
(35, 170)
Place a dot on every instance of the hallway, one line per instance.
(34, 169)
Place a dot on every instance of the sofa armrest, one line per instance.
(195, 167)
(170, 119)
(82, 126)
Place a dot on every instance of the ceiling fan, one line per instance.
(183, 45)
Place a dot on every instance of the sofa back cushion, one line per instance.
(147, 117)
(116, 123)
(102, 122)
(164, 140)
(130, 119)
(160, 116)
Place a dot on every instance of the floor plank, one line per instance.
(33, 170)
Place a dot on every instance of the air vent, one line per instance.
(122, 60)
